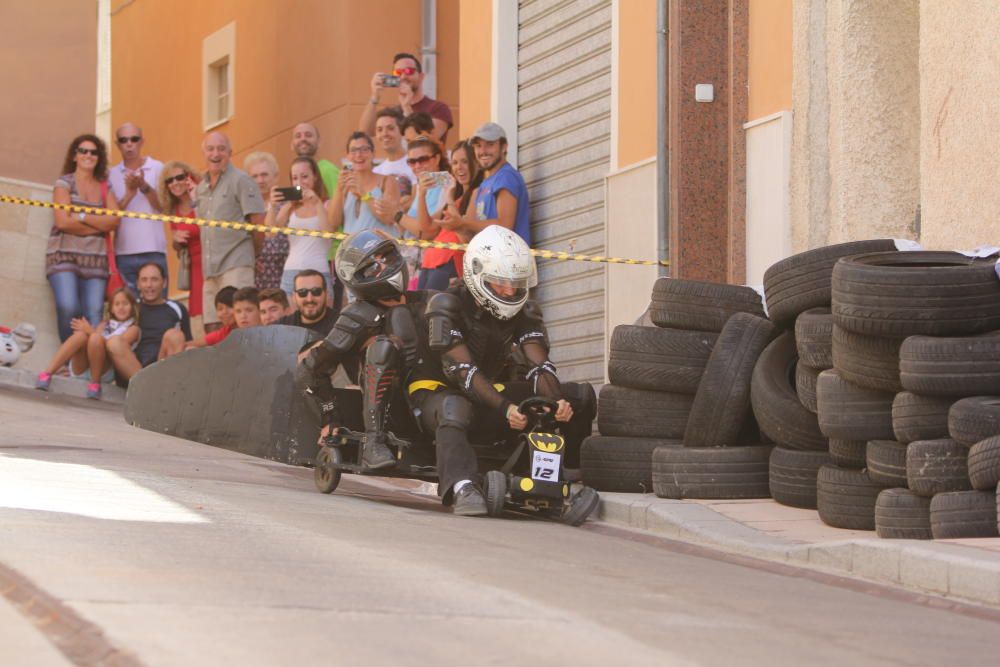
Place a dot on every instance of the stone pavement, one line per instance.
(966, 570)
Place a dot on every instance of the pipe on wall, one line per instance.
(428, 45)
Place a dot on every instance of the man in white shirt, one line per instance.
(134, 181)
(389, 137)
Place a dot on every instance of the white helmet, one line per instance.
(497, 257)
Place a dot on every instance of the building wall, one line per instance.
(635, 73)
(475, 44)
(770, 57)
(48, 56)
(960, 134)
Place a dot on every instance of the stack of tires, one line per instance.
(886, 392)
(809, 461)
(722, 455)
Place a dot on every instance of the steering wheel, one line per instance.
(538, 410)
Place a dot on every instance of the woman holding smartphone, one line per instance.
(363, 199)
(76, 255)
(305, 209)
(177, 183)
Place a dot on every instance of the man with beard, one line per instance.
(310, 299)
(305, 143)
(226, 193)
(501, 199)
(164, 326)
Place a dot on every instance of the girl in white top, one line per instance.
(86, 348)
(305, 252)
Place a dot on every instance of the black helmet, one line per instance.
(370, 264)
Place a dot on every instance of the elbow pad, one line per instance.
(444, 312)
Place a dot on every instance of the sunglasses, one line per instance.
(306, 291)
(405, 71)
(419, 160)
(176, 179)
(134, 139)
(360, 149)
(88, 151)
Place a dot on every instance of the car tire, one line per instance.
(867, 361)
(846, 498)
(848, 453)
(984, 464)
(937, 466)
(700, 306)
(814, 338)
(711, 472)
(792, 476)
(656, 359)
(916, 417)
(722, 404)
(960, 514)
(973, 419)
(900, 294)
(849, 412)
(805, 385)
(802, 281)
(885, 461)
(620, 464)
(780, 414)
(967, 366)
(640, 413)
(901, 514)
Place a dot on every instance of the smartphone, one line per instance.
(346, 165)
(441, 178)
(291, 194)
(390, 81)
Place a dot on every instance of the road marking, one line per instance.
(84, 490)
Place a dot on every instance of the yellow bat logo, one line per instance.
(546, 442)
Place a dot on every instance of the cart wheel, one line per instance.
(496, 492)
(580, 506)
(326, 477)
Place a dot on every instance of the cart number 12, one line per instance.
(545, 466)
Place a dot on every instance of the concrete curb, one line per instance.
(949, 570)
(76, 387)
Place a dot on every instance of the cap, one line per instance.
(488, 132)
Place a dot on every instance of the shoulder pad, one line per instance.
(444, 312)
(364, 313)
(444, 302)
(532, 310)
(354, 321)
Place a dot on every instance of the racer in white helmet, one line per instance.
(473, 330)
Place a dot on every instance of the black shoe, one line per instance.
(470, 502)
(375, 454)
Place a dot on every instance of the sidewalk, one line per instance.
(67, 386)
(967, 570)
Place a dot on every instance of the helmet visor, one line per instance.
(507, 290)
(383, 262)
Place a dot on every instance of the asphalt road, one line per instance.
(183, 554)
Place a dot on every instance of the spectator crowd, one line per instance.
(109, 273)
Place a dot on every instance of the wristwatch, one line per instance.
(398, 216)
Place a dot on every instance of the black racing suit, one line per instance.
(379, 346)
(474, 349)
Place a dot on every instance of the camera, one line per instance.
(390, 81)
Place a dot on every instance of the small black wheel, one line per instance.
(495, 486)
(326, 477)
(580, 506)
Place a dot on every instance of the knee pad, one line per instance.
(382, 353)
(455, 411)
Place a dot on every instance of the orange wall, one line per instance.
(636, 81)
(48, 56)
(308, 60)
(770, 67)
(475, 63)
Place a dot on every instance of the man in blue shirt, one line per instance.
(502, 198)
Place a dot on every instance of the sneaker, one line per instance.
(43, 381)
(470, 502)
(94, 390)
(375, 454)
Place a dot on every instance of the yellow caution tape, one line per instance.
(248, 227)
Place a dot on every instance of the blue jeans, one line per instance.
(129, 265)
(76, 297)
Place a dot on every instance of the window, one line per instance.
(218, 59)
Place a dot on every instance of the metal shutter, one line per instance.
(564, 145)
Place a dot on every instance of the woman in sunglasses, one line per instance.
(176, 189)
(76, 257)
